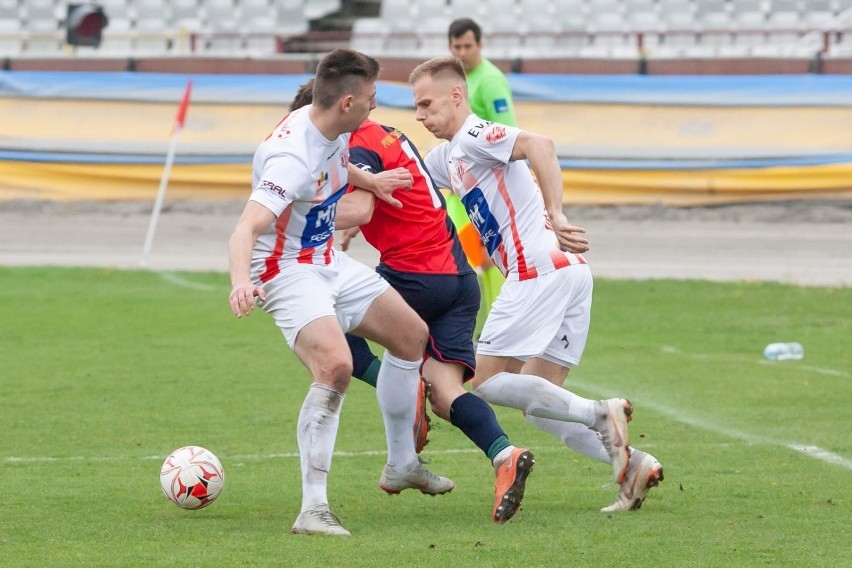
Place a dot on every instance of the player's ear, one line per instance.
(346, 103)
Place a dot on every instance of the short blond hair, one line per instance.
(449, 67)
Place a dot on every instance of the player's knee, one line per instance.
(334, 372)
(411, 341)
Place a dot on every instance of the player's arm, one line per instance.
(255, 218)
(382, 184)
(541, 154)
(355, 208)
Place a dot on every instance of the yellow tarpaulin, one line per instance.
(581, 131)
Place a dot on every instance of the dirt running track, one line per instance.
(807, 243)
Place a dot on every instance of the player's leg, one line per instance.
(304, 311)
(547, 316)
(450, 311)
(365, 364)
(642, 471)
(377, 312)
(574, 435)
(321, 347)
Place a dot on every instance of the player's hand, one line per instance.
(347, 236)
(570, 236)
(244, 297)
(386, 182)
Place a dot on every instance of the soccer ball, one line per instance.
(192, 477)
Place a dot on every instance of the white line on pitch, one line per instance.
(811, 451)
(284, 455)
(179, 281)
(670, 350)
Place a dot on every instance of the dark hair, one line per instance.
(463, 25)
(304, 96)
(439, 67)
(342, 72)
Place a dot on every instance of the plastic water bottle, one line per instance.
(784, 351)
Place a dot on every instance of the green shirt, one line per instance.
(490, 95)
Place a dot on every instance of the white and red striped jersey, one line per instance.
(501, 197)
(299, 175)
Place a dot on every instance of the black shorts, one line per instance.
(448, 303)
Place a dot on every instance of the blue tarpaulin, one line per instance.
(759, 90)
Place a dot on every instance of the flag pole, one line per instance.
(167, 169)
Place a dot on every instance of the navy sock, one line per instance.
(365, 365)
(477, 421)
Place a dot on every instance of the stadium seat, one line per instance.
(117, 38)
(315, 9)
(9, 10)
(395, 10)
(259, 27)
(290, 19)
(503, 36)
(434, 9)
(222, 16)
(432, 33)
(369, 36)
(402, 40)
(186, 15)
(499, 10)
(541, 30)
(610, 36)
(749, 21)
(650, 25)
(152, 32)
(115, 10)
(817, 14)
(573, 35)
(11, 37)
(475, 9)
(681, 29)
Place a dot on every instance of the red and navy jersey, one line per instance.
(419, 237)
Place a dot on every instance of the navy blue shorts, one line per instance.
(448, 303)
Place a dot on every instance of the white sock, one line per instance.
(317, 431)
(396, 391)
(537, 396)
(502, 456)
(576, 436)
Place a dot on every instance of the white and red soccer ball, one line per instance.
(192, 477)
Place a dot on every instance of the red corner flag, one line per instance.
(184, 105)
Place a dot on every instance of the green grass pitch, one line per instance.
(103, 373)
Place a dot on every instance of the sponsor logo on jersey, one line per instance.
(477, 128)
(495, 134)
(391, 138)
(460, 167)
(319, 222)
(322, 180)
(482, 219)
(501, 105)
(273, 187)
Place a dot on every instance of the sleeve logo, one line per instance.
(495, 134)
(273, 187)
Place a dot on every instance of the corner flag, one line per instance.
(180, 119)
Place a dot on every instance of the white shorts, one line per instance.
(302, 293)
(547, 316)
